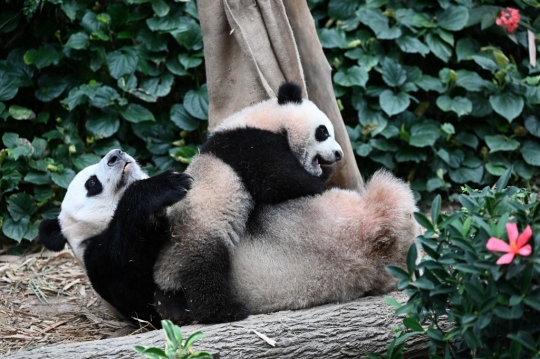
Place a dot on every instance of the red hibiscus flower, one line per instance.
(518, 244)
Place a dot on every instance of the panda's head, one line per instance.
(309, 131)
(90, 202)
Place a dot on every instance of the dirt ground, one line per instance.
(46, 299)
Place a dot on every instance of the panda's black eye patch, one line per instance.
(93, 186)
(321, 133)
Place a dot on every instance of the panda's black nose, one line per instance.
(115, 157)
(339, 155)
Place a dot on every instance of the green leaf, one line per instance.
(460, 105)
(50, 87)
(78, 41)
(193, 338)
(393, 73)
(122, 62)
(413, 325)
(393, 103)
(85, 160)
(8, 87)
(153, 353)
(412, 256)
(466, 48)
(10, 139)
(453, 18)
(423, 221)
(354, 76)
(189, 62)
(44, 56)
(342, 9)
(424, 134)
(21, 113)
(102, 125)
(470, 80)
(501, 143)
(412, 45)
(64, 178)
(532, 124)
(397, 272)
(158, 86)
(435, 208)
(39, 178)
(182, 119)
(21, 205)
(168, 23)
(160, 7)
(15, 230)
(188, 34)
(196, 103)
(332, 38)
(439, 48)
(136, 113)
(529, 151)
(423, 283)
(104, 96)
(466, 174)
(508, 105)
(430, 83)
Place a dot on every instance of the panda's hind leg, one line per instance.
(204, 278)
(388, 226)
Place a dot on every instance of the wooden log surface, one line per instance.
(348, 330)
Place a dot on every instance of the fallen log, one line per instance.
(348, 330)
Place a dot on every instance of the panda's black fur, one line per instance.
(119, 261)
(269, 177)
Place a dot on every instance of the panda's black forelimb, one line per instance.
(50, 235)
(265, 163)
(120, 260)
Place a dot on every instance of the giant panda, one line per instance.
(268, 153)
(114, 218)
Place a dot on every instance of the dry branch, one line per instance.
(332, 331)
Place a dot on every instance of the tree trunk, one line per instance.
(347, 330)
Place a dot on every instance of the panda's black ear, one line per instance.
(289, 92)
(50, 234)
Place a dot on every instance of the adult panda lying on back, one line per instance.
(113, 217)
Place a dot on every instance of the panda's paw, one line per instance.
(173, 186)
(173, 306)
(230, 312)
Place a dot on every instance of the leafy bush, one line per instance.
(176, 348)
(82, 77)
(461, 295)
(435, 90)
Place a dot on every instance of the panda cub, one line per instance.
(114, 218)
(269, 153)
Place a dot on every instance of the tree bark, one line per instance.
(347, 330)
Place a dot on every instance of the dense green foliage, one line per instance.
(430, 89)
(78, 78)
(434, 90)
(468, 305)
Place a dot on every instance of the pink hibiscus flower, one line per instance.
(518, 244)
(509, 19)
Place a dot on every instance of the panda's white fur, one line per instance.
(326, 248)
(81, 216)
(233, 252)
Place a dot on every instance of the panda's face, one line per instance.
(310, 133)
(317, 147)
(93, 195)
